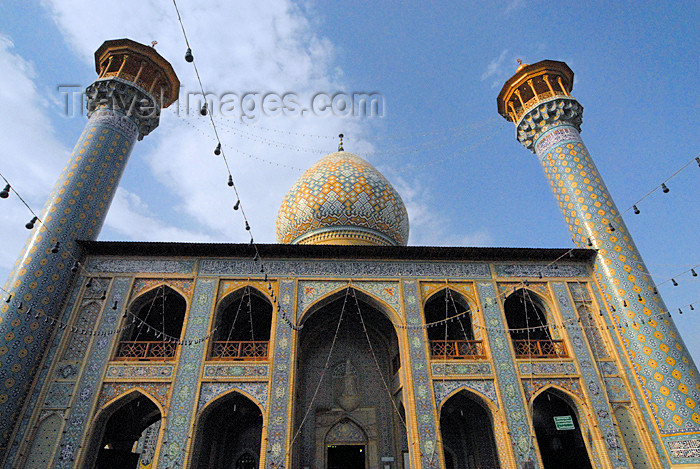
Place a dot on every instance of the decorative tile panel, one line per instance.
(311, 291)
(139, 265)
(547, 368)
(111, 391)
(562, 269)
(144, 372)
(236, 371)
(617, 391)
(350, 269)
(457, 369)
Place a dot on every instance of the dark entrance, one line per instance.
(346, 457)
(562, 446)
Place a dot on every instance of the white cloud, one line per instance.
(266, 46)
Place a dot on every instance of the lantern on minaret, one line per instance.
(537, 99)
(124, 105)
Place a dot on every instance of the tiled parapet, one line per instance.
(550, 129)
(120, 111)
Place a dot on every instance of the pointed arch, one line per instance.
(45, 440)
(561, 443)
(345, 430)
(464, 416)
(530, 325)
(486, 402)
(225, 429)
(215, 401)
(154, 325)
(242, 325)
(452, 336)
(629, 426)
(117, 427)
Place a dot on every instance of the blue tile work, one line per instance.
(89, 383)
(508, 381)
(661, 361)
(443, 388)
(280, 413)
(595, 387)
(425, 409)
(609, 368)
(76, 209)
(189, 368)
(68, 371)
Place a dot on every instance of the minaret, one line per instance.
(124, 105)
(548, 121)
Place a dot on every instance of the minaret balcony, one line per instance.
(540, 348)
(250, 350)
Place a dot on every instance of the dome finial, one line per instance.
(340, 145)
(521, 65)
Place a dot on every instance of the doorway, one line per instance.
(346, 456)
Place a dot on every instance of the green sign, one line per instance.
(564, 422)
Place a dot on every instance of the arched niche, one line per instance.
(242, 326)
(45, 441)
(467, 432)
(228, 433)
(117, 430)
(344, 369)
(452, 334)
(526, 315)
(154, 325)
(631, 437)
(558, 429)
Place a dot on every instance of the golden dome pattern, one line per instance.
(342, 199)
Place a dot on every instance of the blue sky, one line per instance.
(438, 67)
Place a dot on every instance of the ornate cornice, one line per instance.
(131, 100)
(558, 111)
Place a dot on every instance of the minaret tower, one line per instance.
(124, 105)
(548, 120)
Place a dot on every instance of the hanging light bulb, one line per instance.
(247, 226)
(250, 243)
(693, 273)
(656, 292)
(691, 308)
(104, 295)
(31, 222)
(230, 180)
(624, 303)
(89, 283)
(680, 311)
(203, 111)
(237, 204)
(9, 298)
(217, 150)
(5, 192)
(639, 297)
(673, 280)
(611, 227)
(256, 257)
(114, 306)
(74, 269)
(697, 160)
(665, 188)
(188, 55)
(56, 247)
(636, 210)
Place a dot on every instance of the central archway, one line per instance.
(357, 383)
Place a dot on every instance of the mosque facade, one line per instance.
(339, 346)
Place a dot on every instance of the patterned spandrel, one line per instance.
(184, 394)
(425, 409)
(521, 433)
(340, 190)
(661, 361)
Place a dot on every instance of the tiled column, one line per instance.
(548, 120)
(120, 111)
(424, 410)
(281, 392)
(512, 394)
(181, 410)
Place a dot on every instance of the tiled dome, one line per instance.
(342, 199)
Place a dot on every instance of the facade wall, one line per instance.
(80, 380)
